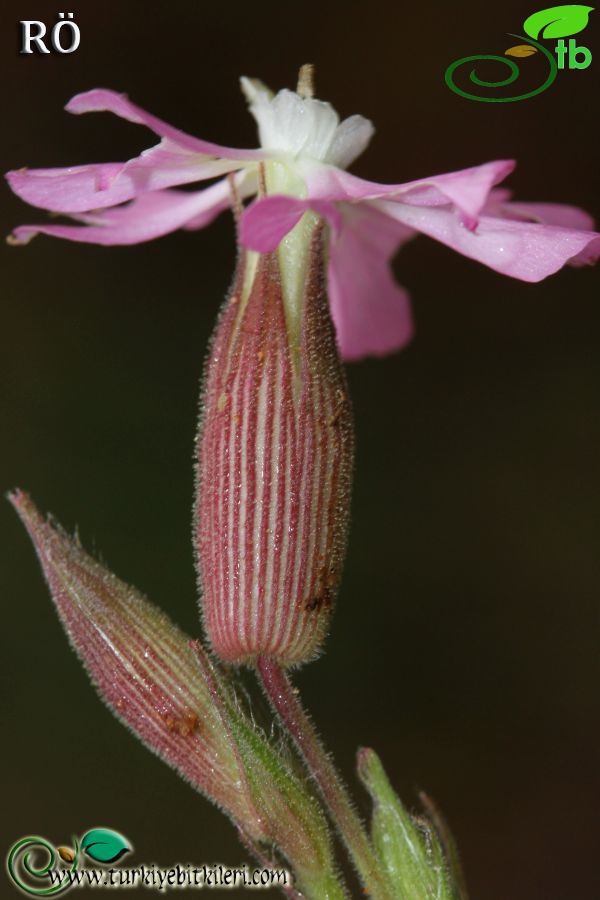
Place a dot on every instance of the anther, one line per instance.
(306, 81)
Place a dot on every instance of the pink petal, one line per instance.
(588, 255)
(148, 216)
(467, 189)
(104, 100)
(269, 219)
(371, 312)
(83, 188)
(524, 250)
(266, 222)
(246, 185)
(75, 189)
(544, 214)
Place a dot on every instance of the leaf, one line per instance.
(557, 21)
(66, 853)
(104, 845)
(520, 50)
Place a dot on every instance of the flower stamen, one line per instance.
(236, 201)
(306, 81)
(262, 180)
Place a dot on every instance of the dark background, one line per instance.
(464, 646)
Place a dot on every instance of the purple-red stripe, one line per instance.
(274, 468)
(140, 662)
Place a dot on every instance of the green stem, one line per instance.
(285, 701)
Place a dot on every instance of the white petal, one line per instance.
(350, 140)
(305, 128)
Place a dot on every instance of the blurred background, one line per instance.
(465, 646)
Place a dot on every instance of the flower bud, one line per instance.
(416, 852)
(275, 458)
(167, 691)
(140, 663)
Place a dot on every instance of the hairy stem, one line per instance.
(285, 700)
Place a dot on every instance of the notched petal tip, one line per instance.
(13, 239)
(95, 100)
(106, 100)
(14, 174)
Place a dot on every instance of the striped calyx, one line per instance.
(141, 664)
(275, 455)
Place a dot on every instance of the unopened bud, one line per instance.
(411, 849)
(275, 460)
(178, 702)
(140, 662)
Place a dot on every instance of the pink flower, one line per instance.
(304, 153)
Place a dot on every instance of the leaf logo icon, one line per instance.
(66, 854)
(557, 21)
(520, 50)
(104, 845)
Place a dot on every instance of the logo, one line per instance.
(555, 22)
(34, 859)
(39, 869)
